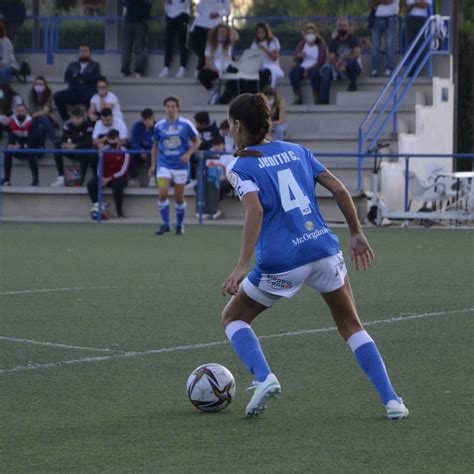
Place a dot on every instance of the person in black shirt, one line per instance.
(77, 135)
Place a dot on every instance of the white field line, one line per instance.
(52, 290)
(187, 347)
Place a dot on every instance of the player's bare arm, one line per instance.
(154, 156)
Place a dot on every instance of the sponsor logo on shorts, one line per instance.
(339, 268)
(309, 236)
(309, 225)
(278, 283)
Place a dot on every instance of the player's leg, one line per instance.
(342, 306)
(179, 178)
(163, 202)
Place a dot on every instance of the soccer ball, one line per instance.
(95, 211)
(211, 387)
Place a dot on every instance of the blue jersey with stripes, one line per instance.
(293, 232)
(174, 140)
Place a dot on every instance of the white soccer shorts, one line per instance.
(177, 176)
(324, 275)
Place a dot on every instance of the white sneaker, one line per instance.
(217, 215)
(164, 72)
(152, 182)
(264, 391)
(134, 183)
(388, 72)
(396, 410)
(374, 73)
(137, 75)
(59, 182)
(180, 73)
(196, 73)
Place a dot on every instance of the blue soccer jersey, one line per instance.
(293, 230)
(174, 140)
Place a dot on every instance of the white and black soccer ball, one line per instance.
(95, 212)
(211, 387)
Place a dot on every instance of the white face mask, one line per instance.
(310, 37)
(271, 102)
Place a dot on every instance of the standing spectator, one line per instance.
(219, 57)
(417, 14)
(210, 13)
(224, 130)
(135, 30)
(175, 140)
(8, 64)
(114, 171)
(77, 135)
(344, 59)
(386, 14)
(264, 40)
(310, 56)
(177, 19)
(104, 99)
(19, 128)
(9, 99)
(142, 139)
(81, 77)
(108, 122)
(277, 106)
(12, 14)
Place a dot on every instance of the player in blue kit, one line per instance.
(175, 140)
(276, 184)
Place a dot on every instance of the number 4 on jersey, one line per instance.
(288, 187)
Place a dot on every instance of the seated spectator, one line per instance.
(278, 108)
(9, 99)
(270, 47)
(114, 171)
(310, 56)
(177, 19)
(142, 139)
(81, 77)
(40, 105)
(210, 13)
(8, 64)
(416, 15)
(207, 130)
(224, 130)
(135, 30)
(344, 59)
(104, 99)
(108, 122)
(19, 128)
(12, 14)
(77, 135)
(218, 59)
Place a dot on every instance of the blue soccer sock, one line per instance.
(247, 347)
(180, 210)
(164, 207)
(371, 362)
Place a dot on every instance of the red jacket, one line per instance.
(18, 132)
(115, 164)
(323, 54)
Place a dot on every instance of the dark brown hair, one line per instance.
(268, 31)
(253, 112)
(3, 30)
(212, 37)
(174, 99)
(40, 100)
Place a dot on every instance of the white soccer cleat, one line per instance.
(396, 410)
(164, 72)
(59, 182)
(181, 72)
(264, 391)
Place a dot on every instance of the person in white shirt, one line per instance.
(177, 19)
(264, 40)
(104, 124)
(417, 14)
(218, 55)
(385, 24)
(209, 14)
(104, 99)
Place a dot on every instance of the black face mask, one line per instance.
(21, 118)
(342, 32)
(113, 145)
(83, 60)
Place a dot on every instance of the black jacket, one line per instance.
(87, 78)
(137, 10)
(81, 136)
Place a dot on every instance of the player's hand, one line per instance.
(106, 181)
(232, 282)
(185, 158)
(360, 249)
(151, 172)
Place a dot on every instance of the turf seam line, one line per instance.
(184, 347)
(50, 290)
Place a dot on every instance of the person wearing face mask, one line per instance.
(310, 56)
(114, 171)
(81, 77)
(277, 106)
(19, 128)
(9, 99)
(344, 59)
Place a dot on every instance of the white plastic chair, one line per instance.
(426, 193)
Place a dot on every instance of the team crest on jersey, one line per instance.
(233, 178)
(309, 225)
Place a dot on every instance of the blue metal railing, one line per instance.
(385, 108)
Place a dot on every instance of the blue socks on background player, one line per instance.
(371, 362)
(247, 346)
(164, 207)
(180, 210)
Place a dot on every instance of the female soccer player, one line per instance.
(175, 139)
(276, 184)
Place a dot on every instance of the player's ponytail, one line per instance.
(253, 112)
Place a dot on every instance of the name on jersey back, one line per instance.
(278, 159)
